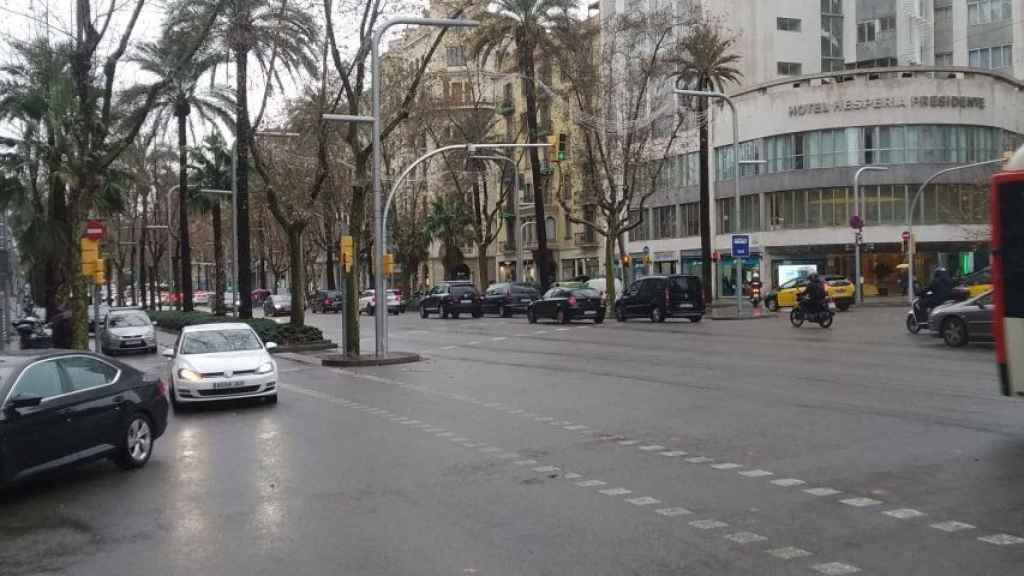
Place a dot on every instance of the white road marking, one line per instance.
(562, 423)
(498, 338)
(628, 442)
(904, 513)
(571, 476)
(616, 492)
(673, 511)
(745, 537)
(756, 473)
(823, 491)
(673, 453)
(492, 405)
(490, 450)
(562, 329)
(835, 569)
(516, 411)
(1002, 539)
(520, 335)
(446, 434)
(545, 469)
(953, 526)
(524, 462)
(471, 444)
(508, 456)
(576, 427)
(698, 459)
(539, 332)
(651, 448)
(544, 419)
(789, 553)
(726, 466)
(460, 439)
(786, 482)
(432, 429)
(861, 502)
(709, 524)
(590, 483)
(473, 343)
(448, 347)
(643, 501)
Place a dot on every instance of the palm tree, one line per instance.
(709, 65)
(273, 32)
(212, 169)
(525, 24)
(179, 95)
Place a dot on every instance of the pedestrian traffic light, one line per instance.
(345, 249)
(563, 147)
(99, 272)
(389, 264)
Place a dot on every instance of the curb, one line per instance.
(744, 317)
(389, 359)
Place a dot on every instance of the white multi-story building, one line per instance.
(829, 86)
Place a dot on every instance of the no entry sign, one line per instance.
(94, 230)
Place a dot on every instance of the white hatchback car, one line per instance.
(221, 361)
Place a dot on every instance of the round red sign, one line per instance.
(94, 229)
(906, 235)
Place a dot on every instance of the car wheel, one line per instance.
(954, 332)
(423, 312)
(136, 442)
(152, 350)
(531, 316)
(562, 317)
(696, 319)
(272, 399)
(455, 315)
(912, 326)
(444, 311)
(620, 314)
(772, 304)
(502, 311)
(478, 313)
(843, 306)
(599, 319)
(657, 315)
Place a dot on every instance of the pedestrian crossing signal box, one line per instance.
(345, 249)
(1006, 205)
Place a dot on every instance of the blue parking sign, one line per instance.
(740, 246)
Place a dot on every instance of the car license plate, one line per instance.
(524, 300)
(831, 305)
(467, 301)
(227, 384)
(133, 342)
(685, 305)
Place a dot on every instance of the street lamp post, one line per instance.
(736, 174)
(910, 217)
(858, 290)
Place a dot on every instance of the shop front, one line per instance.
(727, 272)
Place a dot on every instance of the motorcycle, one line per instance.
(917, 316)
(823, 317)
(33, 333)
(755, 295)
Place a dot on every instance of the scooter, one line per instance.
(755, 295)
(33, 333)
(823, 317)
(917, 316)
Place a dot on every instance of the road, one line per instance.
(626, 448)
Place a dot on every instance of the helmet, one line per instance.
(813, 275)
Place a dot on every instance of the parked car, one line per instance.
(958, 323)
(451, 299)
(72, 406)
(368, 300)
(661, 297)
(327, 301)
(840, 289)
(222, 361)
(567, 304)
(127, 331)
(277, 305)
(973, 285)
(104, 310)
(507, 298)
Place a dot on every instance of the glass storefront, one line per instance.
(727, 285)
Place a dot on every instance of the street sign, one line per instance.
(905, 235)
(647, 249)
(94, 230)
(740, 246)
(856, 222)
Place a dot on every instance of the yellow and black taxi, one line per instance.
(973, 285)
(840, 290)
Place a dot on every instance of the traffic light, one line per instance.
(626, 260)
(345, 249)
(100, 272)
(389, 263)
(90, 253)
(563, 147)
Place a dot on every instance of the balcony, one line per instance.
(586, 240)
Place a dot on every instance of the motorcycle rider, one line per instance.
(755, 289)
(816, 294)
(939, 290)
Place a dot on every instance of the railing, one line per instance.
(584, 239)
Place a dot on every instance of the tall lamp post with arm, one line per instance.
(857, 222)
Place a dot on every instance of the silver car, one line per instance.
(961, 322)
(126, 331)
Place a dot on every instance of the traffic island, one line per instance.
(388, 359)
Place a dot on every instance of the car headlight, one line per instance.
(265, 368)
(189, 375)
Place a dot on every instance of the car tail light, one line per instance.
(572, 300)
(161, 388)
(328, 302)
(667, 298)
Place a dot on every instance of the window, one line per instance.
(995, 58)
(986, 11)
(789, 68)
(549, 227)
(867, 31)
(944, 59)
(84, 372)
(664, 220)
(832, 35)
(943, 16)
(456, 56)
(690, 219)
(42, 379)
(640, 231)
(887, 24)
(788, 24)
(725, 215)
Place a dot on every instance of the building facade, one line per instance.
(913, 87)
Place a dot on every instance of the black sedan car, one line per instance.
(507, 298)
(69, 407)
(452, 299)
(567, 304)
(327, 301)
(277, 305)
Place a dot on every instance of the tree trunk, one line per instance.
(176, 269)
(244, 264)
(350, 279)
(526, 69)
(142, 252)
(609, 272)
(331, 284)
(705, 201)
(58, 269)
(297, 275)
(185, 246)
(218, 261)
(131, 276)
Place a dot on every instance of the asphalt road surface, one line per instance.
(712, 448)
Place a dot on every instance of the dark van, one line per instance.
(661, 297)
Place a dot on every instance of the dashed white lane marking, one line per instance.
(546, 469)
(756, 473)
(673, 453)
(471, 444)
(446, 434)
(861, 502)
(789, 553)
(904, 513)
(616, 491)
(448, 347)
(525, 462)
(1002, 539)
(520, 335)
(628, 442)
(539, 332)
(643, 501)
(590, 483)
(745, 537)
(576, 427)
(473, 343)
(562, 329)
(508, 456)
(726, 466)
(823, 491)
(571, 476)
(492, 405)
(835, 569)
(651, 448)
(490, 450)
(676, 511)
(786, 482)
(952, 526)
(498, 338)
(459, 439)
(709, 524)
(544, 419)
(698, 459)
